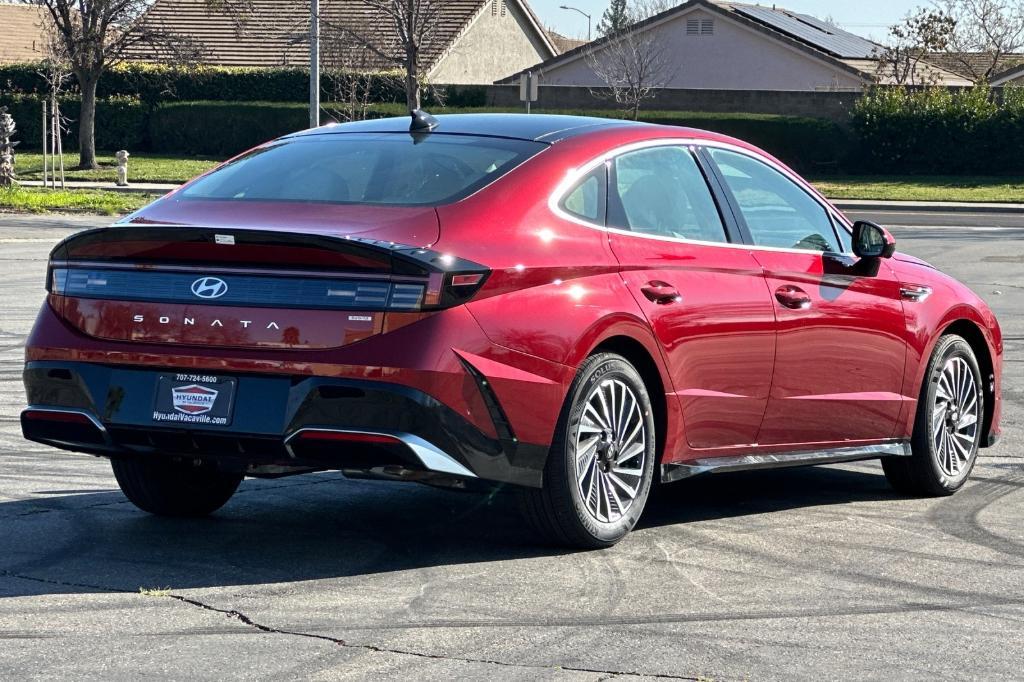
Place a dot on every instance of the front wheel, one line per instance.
(948, 426)
(168, 488)
(601, 464)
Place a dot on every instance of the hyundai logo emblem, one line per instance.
(209, 287)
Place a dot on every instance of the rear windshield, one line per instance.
(388, 169)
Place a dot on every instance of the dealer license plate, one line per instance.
(194, 399)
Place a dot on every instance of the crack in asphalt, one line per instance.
(246, 620)
(241, 617)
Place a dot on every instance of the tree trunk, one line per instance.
(412, 81)
(87, 124)
(413, 87)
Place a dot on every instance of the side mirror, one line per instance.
(872, 241)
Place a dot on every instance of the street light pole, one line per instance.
(577, 9)
(314, 63)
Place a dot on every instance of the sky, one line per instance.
(869, 18)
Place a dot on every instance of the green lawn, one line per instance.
(38, 200)
(141, 167)
(922, 188)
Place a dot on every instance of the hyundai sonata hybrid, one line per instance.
(573, 308)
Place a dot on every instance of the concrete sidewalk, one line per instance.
(137, 187)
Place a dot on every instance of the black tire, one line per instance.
(924, 474)
(557, 511)
(168, 488)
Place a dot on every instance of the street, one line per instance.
(819, 573)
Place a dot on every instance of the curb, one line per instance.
(926, 207)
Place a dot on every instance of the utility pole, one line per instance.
(314, 63)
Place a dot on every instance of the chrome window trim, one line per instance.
(576, 174)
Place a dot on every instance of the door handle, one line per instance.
(661, 293)
(793, 297)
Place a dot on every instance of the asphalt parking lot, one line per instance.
(819, 573)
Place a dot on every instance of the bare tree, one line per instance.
(399, 33)
(903, 60)
(633, 63)
(986, 31)
(94, 36)
(353, 77)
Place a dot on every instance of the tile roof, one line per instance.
(564, 43)
(805, 33)
(973, 64)
(23, 37)
(274, 32)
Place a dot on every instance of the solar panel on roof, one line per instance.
(812, 31)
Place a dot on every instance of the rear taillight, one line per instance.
(143, 264)
(347, 437)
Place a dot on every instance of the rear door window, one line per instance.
(662, 192)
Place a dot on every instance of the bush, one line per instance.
(937, 131)
(154, 83)
(120, 121)
(806, 144)
(221, 128)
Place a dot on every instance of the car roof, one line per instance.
(548, 128)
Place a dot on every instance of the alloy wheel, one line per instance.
(955, 417)
(611, 447)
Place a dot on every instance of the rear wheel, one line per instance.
(599, 471)
(948, 426)
(168, 488)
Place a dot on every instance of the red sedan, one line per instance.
(573, 308)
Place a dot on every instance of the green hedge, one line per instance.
(940, 132)
(210, 128)
(221, 128)
(807, 144)
(155, 83)
(121, 122)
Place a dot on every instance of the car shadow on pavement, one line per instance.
(324, 526)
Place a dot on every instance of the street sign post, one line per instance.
(529, 89)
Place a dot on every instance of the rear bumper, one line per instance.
(108, 410)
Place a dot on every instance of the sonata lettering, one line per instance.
(191, 322)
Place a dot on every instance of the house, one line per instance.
(973, 65)
(565, 43)
(733, 46)
(24, 33)
(476, 41)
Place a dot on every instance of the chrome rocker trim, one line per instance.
(718, 465)
(431, 457)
